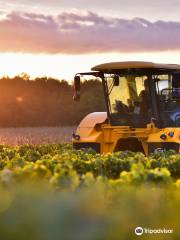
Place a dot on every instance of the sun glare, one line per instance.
(65, 66)
(19, 99)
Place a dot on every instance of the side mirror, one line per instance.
(77, 88)
(116, 81)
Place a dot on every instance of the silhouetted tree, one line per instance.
(46, 101)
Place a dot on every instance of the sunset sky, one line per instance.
(61, 37)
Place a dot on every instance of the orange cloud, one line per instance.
(72, 33)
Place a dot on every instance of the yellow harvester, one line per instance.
(143, 109)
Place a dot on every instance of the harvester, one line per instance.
(143, 109)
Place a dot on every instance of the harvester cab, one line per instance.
(143, 109)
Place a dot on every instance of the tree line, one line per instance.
(46, 102)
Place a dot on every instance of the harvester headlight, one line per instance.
(171, 134)
(76, 136)
(163, 136)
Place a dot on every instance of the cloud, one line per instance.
(74, 33)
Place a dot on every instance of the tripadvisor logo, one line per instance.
(139, 231)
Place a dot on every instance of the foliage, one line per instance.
(60, 166)
(51, 191)
(25, 103)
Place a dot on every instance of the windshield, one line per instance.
(168, 92)
(135, 100)
(129, 100)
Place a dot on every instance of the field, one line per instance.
(51, 191)
(35, 135)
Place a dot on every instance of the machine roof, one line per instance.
(134, 65)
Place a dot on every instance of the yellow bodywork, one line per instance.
(94, 129)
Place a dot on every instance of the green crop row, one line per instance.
(60, 166)
(55, 192)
